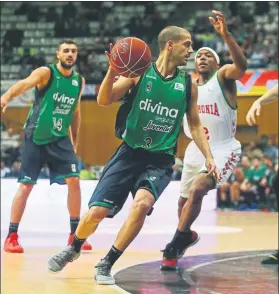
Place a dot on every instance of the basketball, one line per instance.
(130, 57)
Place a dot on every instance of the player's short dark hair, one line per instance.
(170, 33)
(66, 41)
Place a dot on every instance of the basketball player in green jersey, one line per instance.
(269, 97)
(149, 122)
(54, 114)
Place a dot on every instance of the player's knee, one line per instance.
(224, 187)
(142, 205)
(73, 182)
(197, 192)
(96, 214)
(26, 188)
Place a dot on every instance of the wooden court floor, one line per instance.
(27, 274)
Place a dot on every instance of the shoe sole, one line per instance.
(104, 282)
(10, 251)
(172, 268)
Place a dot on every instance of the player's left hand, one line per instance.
(220, 24)
(254, 111)
(212, 169)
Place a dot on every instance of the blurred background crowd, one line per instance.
(29, 38)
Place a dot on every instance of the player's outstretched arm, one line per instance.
(197, 132)
(39, 76)
(75, 126)
(230, 71)
(109, 91)
(255, 110)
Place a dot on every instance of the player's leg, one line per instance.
(273, 258)
(189, 173)
(147, 190)
(31, 164)
(108, 198)
(203, 183)
(63, 165)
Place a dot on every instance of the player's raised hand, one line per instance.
(108, 54)
(212, 168)
(220, 24)
(4, 104)
(254, 111)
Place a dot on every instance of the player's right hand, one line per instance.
(108, 54)
(4, 104)
(254, 110)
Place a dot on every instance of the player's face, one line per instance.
(67, 55)
(182, 50)
(206, 62)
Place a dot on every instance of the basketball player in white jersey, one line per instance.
(217, 107)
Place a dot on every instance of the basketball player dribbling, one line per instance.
(54, 116)
(269, 97)
(149, 122)
(217, 106)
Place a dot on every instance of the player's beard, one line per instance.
(65, 65)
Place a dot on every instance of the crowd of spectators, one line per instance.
(258, 40)
(249, 187)
(254, 27)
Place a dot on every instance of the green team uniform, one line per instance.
(46, 128)
(149, 121)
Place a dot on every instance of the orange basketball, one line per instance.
(130, 57)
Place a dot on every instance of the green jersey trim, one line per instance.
(102, 204)
(163, 78)
(67, 176)
(27, 181)
(208, 79)
(67, 77)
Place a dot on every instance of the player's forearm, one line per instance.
(270, 96)
(201, 141)
(237, 55)
(15, 90)
(75, 128)
(104, 97)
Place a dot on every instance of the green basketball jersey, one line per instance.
(52, 112)
(150, 116)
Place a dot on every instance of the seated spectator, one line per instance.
(249, 188)
(5, 171)
(228, 193)
(12, 38)
(86, 173)
(15, 168)
(270, 150)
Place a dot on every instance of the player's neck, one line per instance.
(205, 77)
(64, 71)
(165, 67)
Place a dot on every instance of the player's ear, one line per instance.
(169, 45)
(57, 54)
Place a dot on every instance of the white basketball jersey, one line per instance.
(217, 117)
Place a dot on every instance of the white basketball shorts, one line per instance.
(226, 156)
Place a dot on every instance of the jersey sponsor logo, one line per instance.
(179, 86)
(157, 128)
(74, 83)
(158, 108)
(209, 109)
(64, 99)
(148, 87)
